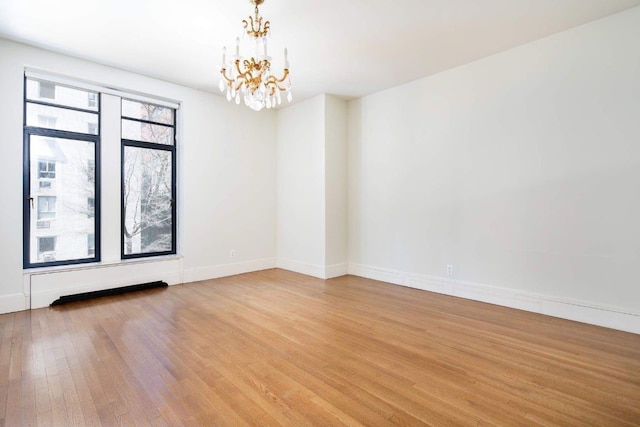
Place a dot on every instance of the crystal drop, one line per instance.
(289, 97)
(228, 96)
(221, 85)
(237, 98)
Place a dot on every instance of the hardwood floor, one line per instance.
(279, 348)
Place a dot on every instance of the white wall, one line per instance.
(521, 170)
(301, 197)
(312, 203)
(226, 192)
(336, 231)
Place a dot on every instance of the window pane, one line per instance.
(147, 206)
(46, 169)
(91, 245)
(146, 132)
(61, 119)
(47, 249)
(90, 207)
(61, 217)
(145, 111)
(46, 207)
(40, 90)
(46, 90)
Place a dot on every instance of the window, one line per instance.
(92, 99)
(46, 169)
(91, 244)
(90, 207)
(148, 180)
(62, 173)
(46, 207)
(61, 144)
(46, 249)
(47, 90)
(91, 170)
(47, 121)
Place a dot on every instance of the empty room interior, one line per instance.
(270, 212)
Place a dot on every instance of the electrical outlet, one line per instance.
(449, 270)
(232, 253)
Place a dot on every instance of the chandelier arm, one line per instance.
(241, 73)
(272, 82)
(223, 71)
(284, 76)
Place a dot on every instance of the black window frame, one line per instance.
(171, 148)
(29, 201)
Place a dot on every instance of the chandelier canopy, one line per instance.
(251, 78)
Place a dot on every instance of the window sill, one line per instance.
(99, 265)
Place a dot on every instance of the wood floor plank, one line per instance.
(276, 348)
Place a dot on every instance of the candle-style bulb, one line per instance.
(237, 47)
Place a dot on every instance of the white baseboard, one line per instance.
(319, 271)
(12, 303)
(224, 270)
(302, 267)
(610, 317)
(336, 270)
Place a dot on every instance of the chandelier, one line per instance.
(251, 79)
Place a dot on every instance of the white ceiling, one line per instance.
(348, 48)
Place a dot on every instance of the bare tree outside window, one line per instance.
(147, 200)
(148, 185)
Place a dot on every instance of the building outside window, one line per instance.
(61, 141)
